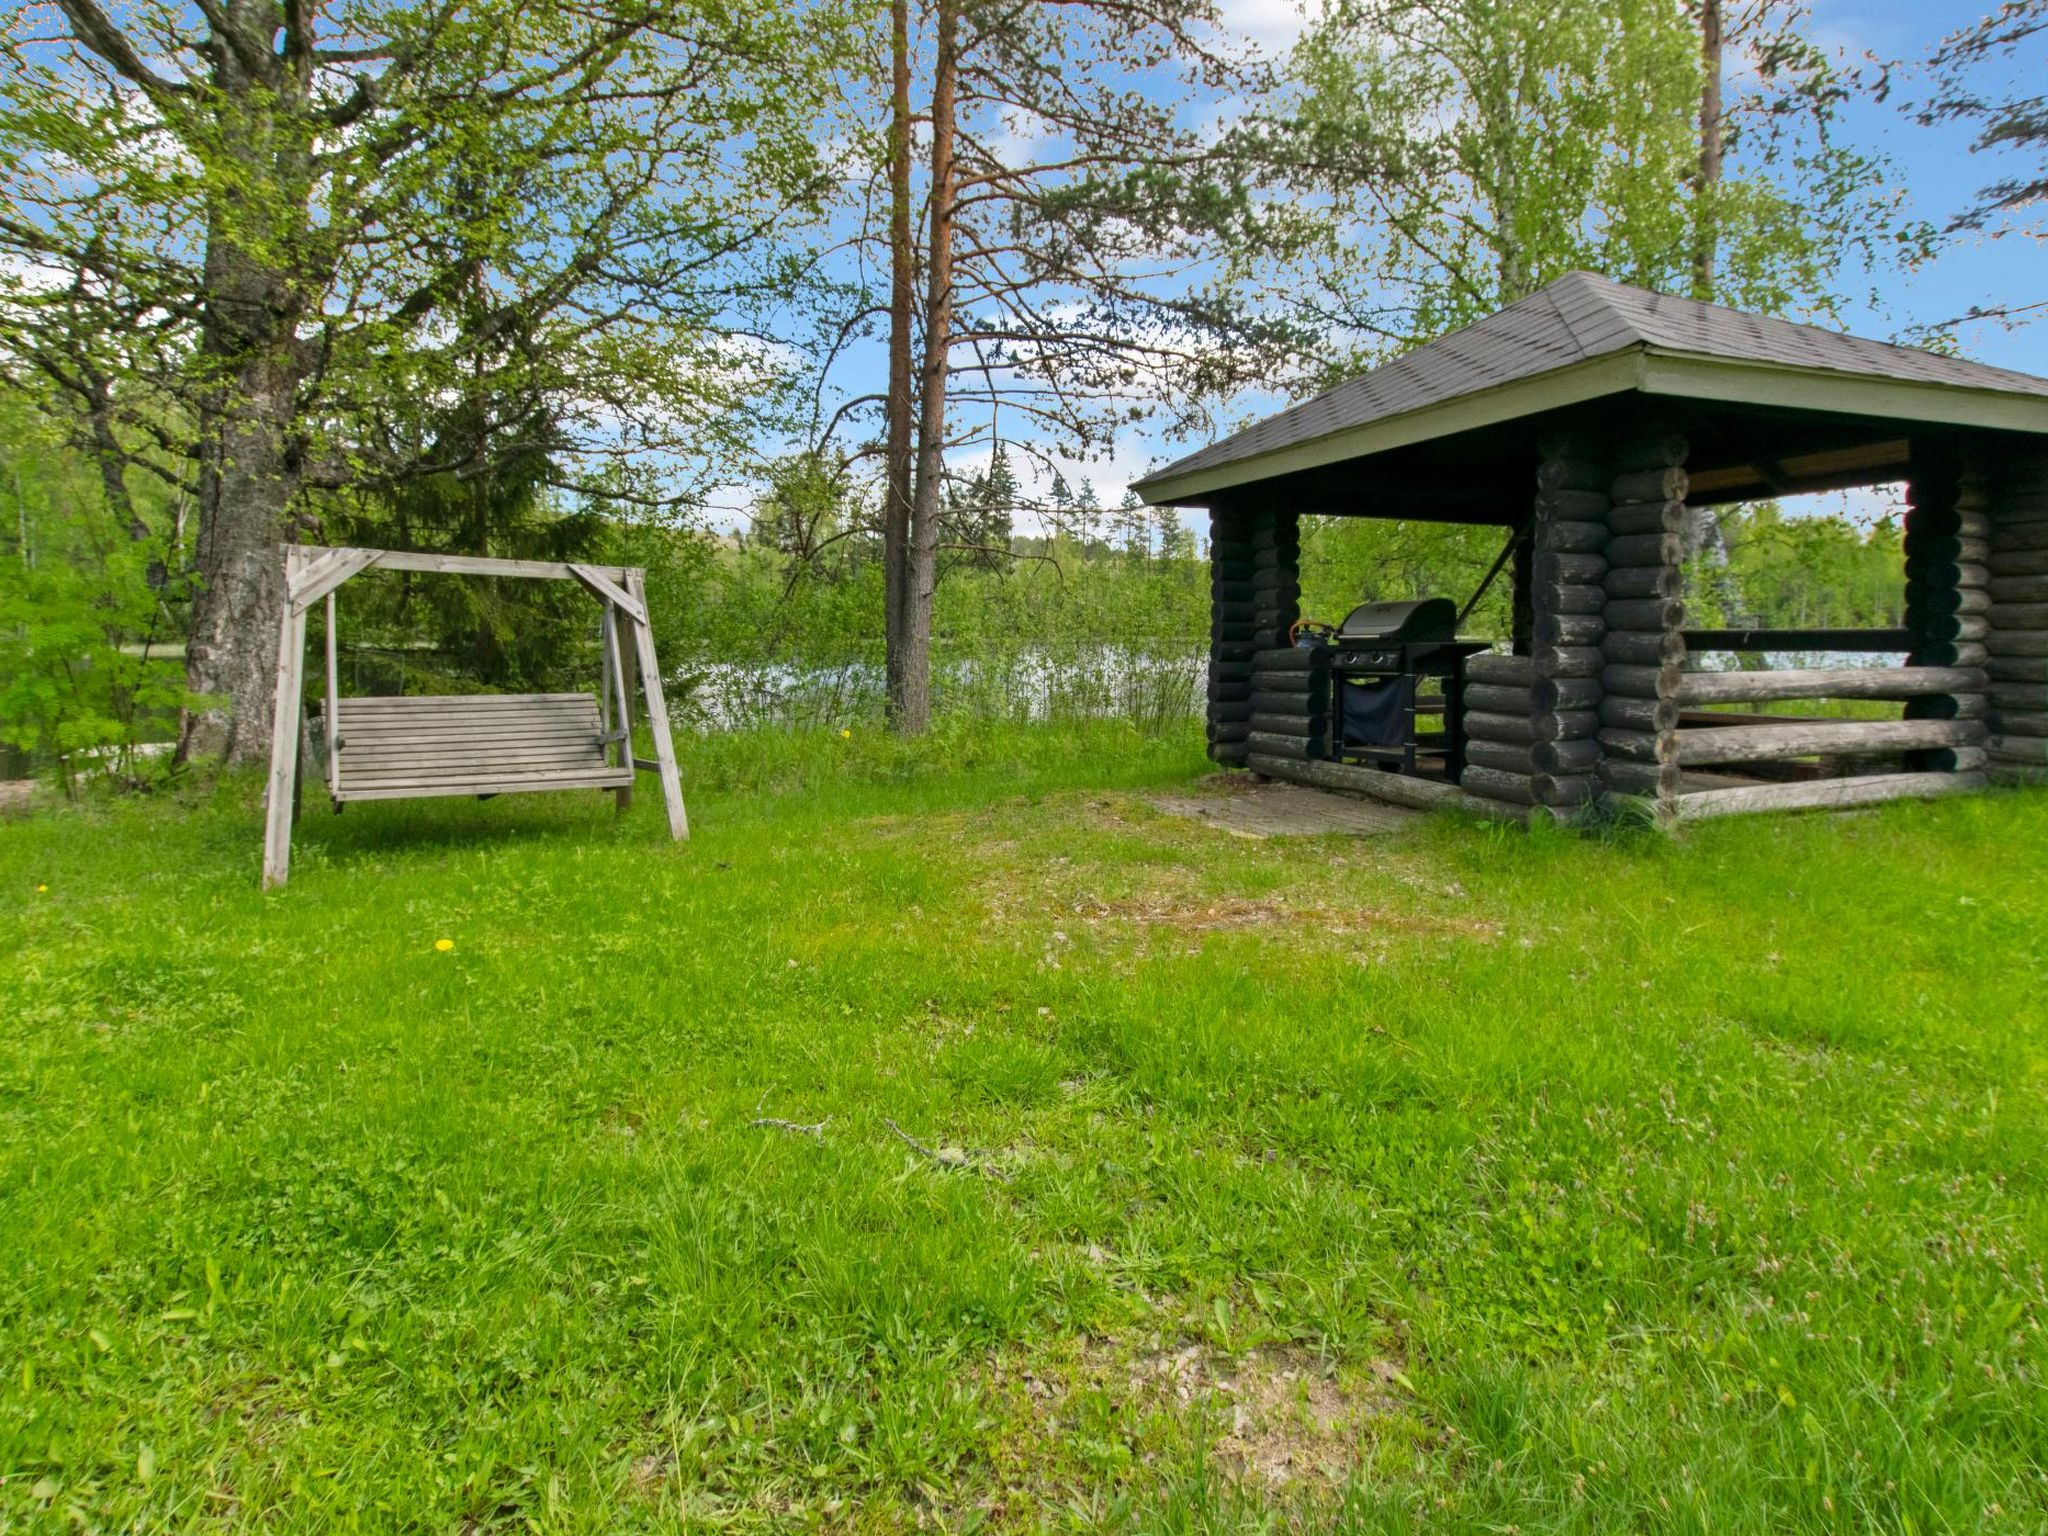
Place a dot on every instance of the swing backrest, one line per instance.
(477, 744)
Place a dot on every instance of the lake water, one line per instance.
(1102, 682)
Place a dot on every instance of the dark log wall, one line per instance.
(1947, 606)
(1532, 718)
(2016, 641)
(1230, 636)
(1254, 599)
(1643, 651)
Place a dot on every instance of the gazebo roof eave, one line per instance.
(1574, 384)
(1644, 369)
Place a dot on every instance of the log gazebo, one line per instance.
(1584, 421)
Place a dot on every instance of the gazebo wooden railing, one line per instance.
(1665, 728)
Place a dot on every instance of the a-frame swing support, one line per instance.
(526, 733)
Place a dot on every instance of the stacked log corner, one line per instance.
(1570, 544)
(1291, 704)
(1230, 637)
(1947, 604)
(1289, 695)
(1532, 719)
(1643, 650)
(1254, 598)
(2015, 564)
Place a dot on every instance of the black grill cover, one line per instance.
(1375, 714)
(1427, 618)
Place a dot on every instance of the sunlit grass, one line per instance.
(1465, 1179)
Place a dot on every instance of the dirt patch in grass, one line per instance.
(1139, 884)
(1287, 1418)
(15, 794)
(1288, 810)
(1275, 1417)
(647, 1473)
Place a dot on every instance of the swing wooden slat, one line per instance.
(487, 745)
(483, 733)
(467, 790)
(376, 762)
(399, 704)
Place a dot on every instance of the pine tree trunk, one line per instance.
(1706, 234)
(896, 486)
(914, 713)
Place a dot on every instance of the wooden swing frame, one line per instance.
(314, 573)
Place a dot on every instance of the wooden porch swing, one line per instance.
(481, 744)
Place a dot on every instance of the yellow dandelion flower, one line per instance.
(444, 945)
(844, 735)
(41, 889)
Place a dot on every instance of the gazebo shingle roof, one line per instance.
(1577, 319)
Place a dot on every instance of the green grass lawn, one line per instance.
(1466, 1179)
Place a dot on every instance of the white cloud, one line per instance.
(1023, 138)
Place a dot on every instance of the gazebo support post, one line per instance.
(1231, 625)
(1570, 623)
(1643, 651)
(1254, 600)
(1947, 605)
(1535, 741)
(1285, 720)
(2016, 585)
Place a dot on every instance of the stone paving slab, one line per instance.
(1275, 809)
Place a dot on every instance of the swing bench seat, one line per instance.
(489, 744)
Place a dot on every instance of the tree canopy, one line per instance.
(1466, 152)
(273, 250)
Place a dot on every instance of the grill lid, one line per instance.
(1427, 618)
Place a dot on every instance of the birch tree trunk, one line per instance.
(1706, 235)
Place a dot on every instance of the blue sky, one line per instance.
(1939, 174)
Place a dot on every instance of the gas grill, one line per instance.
(1381, 656)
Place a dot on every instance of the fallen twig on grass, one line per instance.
(772, 1123)
(917, 1146)
(951, 1158)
